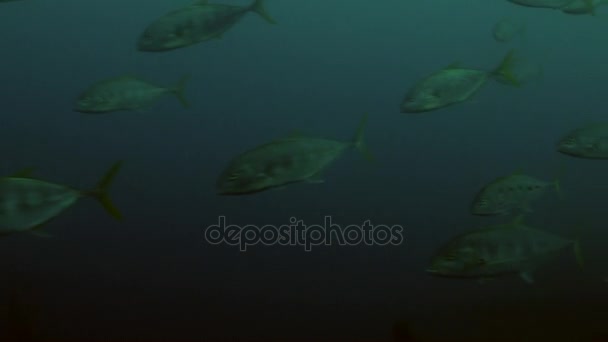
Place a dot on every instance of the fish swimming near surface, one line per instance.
(284, 161)
(589, 142)
(452, 85)
(126, 93)
(511, 248)
(27, 203)
(195, 23)
(507, 194)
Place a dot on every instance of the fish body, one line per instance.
(506, 194)
(589, 142)
(27, 203)
(452, 85)
(281, 162)
(512, 248)
(193, 24)
(554, 4)
(125, 93)
(582, 7)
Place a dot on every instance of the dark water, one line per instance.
(154, 277)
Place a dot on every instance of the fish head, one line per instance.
(578, 146)
(94, 103)
(161, 37)
(485, 205)
(243, 179)
(459, 261)
(421, 101)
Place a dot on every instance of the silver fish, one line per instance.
(125, 93)
(195, 23)
(512, 248)
(27, 203)
(453, 85)
(284, 161)
(579, 7)
(507, 194)
(589, 142)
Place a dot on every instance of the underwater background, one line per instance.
(154, 277)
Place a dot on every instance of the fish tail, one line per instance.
(179, 90)
(358, 140)
(258, 7)
(101, 190)
(505, 69)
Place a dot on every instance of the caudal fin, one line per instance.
(505, 70)
(101, 190)
(258, 7)
(179, 90)
(358, 141)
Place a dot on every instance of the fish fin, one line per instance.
(453, 65)
(518, 172)
(258, 7)
(295, 134)
(527, 277)
(23, 173)
(504, 70)
(179, 91)
(557, 183)
(358, 141)
(101, 190)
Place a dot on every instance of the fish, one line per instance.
(508, 28)
(26, 204)
(583, 6)
(126, 92)
(554, 4)
(503, 249)
(285, 161)
(195, 23)
(509, 193)
(452, 85)
(588, 142)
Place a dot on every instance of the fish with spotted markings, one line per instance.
(511, 248)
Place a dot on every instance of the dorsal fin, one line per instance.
(453, 65)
